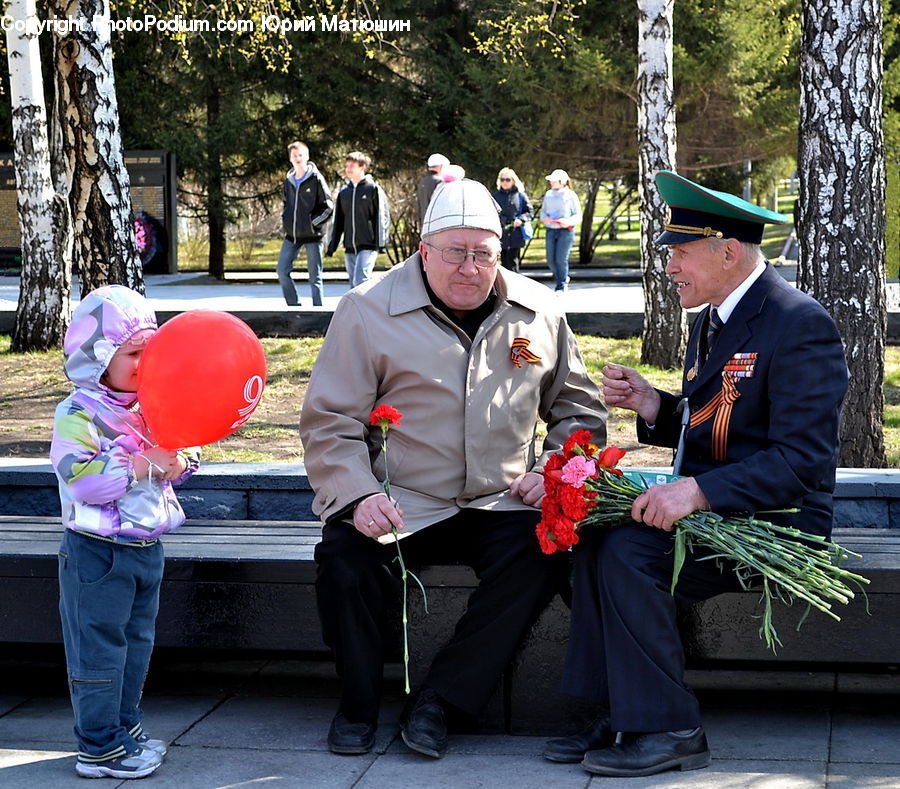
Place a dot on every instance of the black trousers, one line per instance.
(509, 258)
(356, 582)
(625, 651)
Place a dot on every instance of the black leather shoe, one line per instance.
(571, 750)
(425, 727)
(348, 737)
(648, 754)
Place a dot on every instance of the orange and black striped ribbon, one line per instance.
(719, 407)
(519, 352)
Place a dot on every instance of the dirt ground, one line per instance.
(32, 385)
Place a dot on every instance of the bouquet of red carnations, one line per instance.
(584, 488)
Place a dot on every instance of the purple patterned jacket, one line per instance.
(98, 431)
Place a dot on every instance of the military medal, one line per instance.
(741, 365)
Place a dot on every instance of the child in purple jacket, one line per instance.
(115, 487)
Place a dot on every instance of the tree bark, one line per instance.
(43, 310)
(613, 210)
(665, 327)
(840, 213)
(88, 115)
(585, 237)
(215, 189)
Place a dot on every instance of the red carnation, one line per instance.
(573, 503)
(580, 438)
(386, 416)
(546, 538)
(566, 535)
(566, 506)
(609, 459)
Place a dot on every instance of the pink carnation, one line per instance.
(577, 470)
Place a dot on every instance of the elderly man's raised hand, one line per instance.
(376, 515)
(624, 387)
(529, 487)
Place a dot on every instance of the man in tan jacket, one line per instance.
(473, 356)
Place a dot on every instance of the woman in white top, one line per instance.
(560, 212)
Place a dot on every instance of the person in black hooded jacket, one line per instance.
(362, 218)
(306, 211)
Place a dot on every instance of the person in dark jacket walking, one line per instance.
(362, 218)
(515, 217)
(429, 182)
(307, 208)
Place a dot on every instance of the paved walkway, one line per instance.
(258, 723)
(176, 292)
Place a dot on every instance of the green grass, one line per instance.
(32, 384)
(892, 405)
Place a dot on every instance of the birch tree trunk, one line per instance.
(43, 311)
(665, 327)
(88, 115)
(841, 209)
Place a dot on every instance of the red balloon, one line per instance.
(200, 378)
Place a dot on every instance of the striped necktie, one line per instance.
(713, 327)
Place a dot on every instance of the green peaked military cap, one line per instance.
(697, 212)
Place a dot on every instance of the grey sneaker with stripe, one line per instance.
(138, 764)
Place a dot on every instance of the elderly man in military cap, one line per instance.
(472, 356)
(757, 425)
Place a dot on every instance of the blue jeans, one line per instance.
(108, 600)
(359, 265)
(559, 244)
(286, 258)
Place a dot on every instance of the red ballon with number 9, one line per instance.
(200, 378)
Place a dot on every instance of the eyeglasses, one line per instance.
(456, 256)
(505, 179)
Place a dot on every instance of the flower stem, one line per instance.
(403, 576)
(790, 563)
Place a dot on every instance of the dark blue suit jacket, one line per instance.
(782, 436)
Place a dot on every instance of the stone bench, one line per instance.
(249, 585)
(238, 584)
(864, 498)
(240, 575)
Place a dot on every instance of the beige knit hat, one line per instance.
(464, 203)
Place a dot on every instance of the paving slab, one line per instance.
(10, 702)
(169, 717)
(471, 771)
(40, 721)
(869, 737)
(728, 774)
(39, 769)
(863, 776)
(523, 747)
(282, 723)
(206, 768)
(768, 734)
(49, 721)
(264, 723)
